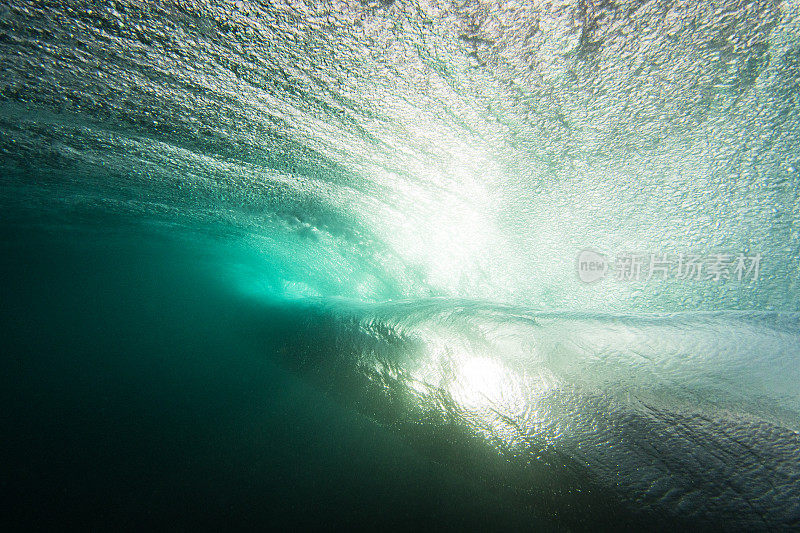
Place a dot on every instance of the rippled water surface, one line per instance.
(313, 264)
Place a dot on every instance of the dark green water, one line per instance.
(313, 265)
(138, 393)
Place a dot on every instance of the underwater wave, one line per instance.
(386, 200)
(385, 150)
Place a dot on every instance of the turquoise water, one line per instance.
(306, 264)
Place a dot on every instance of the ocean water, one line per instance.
(488, 265)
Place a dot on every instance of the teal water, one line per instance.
(313, 265)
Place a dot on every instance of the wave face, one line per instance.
(392, 196)
(415, 149)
